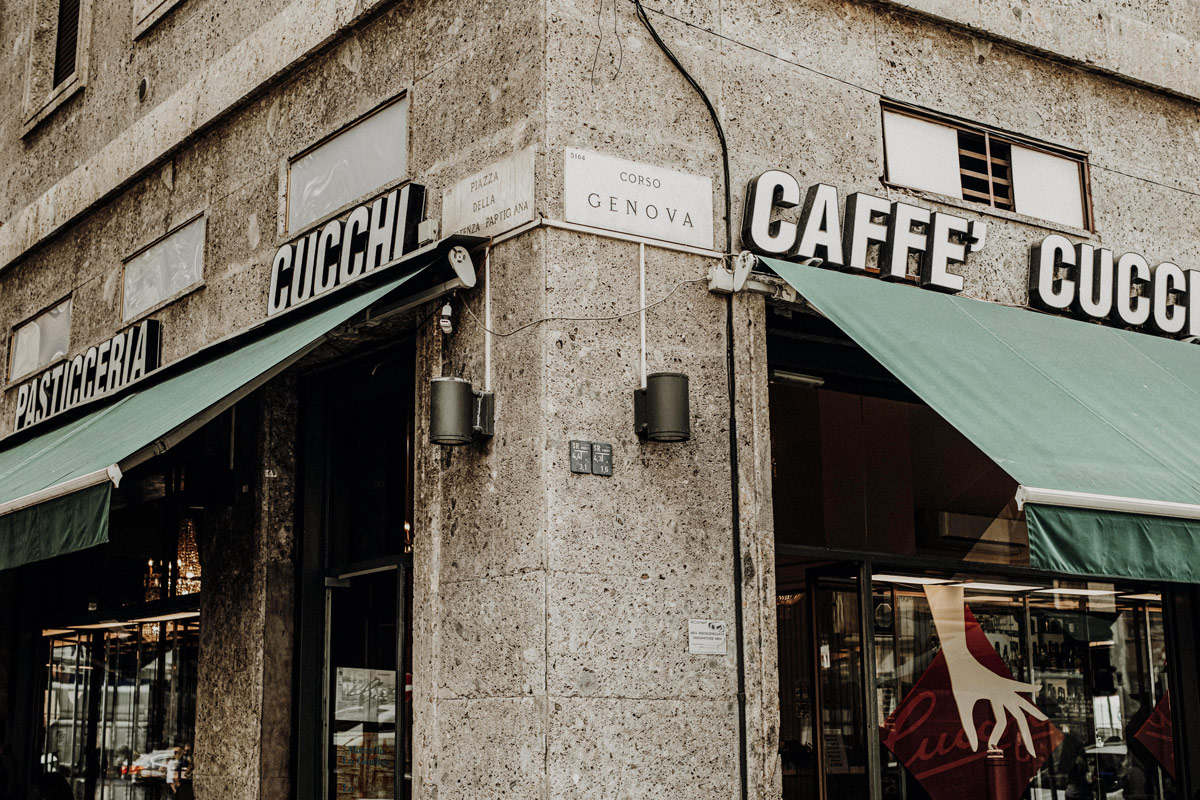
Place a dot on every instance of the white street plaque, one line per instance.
(640, 199)
(706, 637)
(494, 200)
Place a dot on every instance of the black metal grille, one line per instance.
(985, 164)
(67, 41)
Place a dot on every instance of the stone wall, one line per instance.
(244, 732)
(550, 652)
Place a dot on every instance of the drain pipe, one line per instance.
(734, 483)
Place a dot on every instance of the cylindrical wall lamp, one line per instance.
(661, 412)
(457, 412)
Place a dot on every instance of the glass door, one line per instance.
(822, 653)
(369, 686)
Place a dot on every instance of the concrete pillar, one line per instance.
(758, 547)
(243, 722)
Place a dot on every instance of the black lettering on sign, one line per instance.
(103, 368)
(370, 236)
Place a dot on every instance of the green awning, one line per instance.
(55, 484)
(1097, 425)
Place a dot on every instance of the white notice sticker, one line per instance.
(706, 637)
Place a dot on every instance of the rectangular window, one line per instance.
(165, 268)
(368, 154)
(66, 40)
(119, 710)
(148, 12)
(983, 166)
(41, 341)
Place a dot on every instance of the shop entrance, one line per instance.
(369, 684)
(823, 733)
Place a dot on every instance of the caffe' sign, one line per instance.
(824, 235)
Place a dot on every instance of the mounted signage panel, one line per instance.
(345, 249)
(898, 233)
(494, 200)
(639, 199)
(106, 367)
(1089, 283)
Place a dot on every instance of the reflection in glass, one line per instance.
(165, 268)
(840, 686)
(1097, 662)
(363, 157)
(119, 710)
(368, 700)
(44, 339)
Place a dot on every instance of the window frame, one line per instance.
(178, 294)
(10, 379)
(990, 135)
(39, 104)
(285, 168)
(142, 23)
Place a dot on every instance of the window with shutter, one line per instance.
(67, 40)
(58, 57)
(936, 154)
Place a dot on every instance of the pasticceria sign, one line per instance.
(102, 368)
(345, 249)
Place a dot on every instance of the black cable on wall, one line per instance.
(734, 483)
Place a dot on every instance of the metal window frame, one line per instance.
(1181, 618)
(1007, 137)
(317, 577)
(9, 379)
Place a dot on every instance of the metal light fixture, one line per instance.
(661, 412)
(458, 413)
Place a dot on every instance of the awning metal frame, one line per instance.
(1105, 502)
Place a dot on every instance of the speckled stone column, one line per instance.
(243, 720)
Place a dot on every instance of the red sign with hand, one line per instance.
(1157, 735)
(926, 732)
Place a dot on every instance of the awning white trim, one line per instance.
(110, 473)
(1104, 502)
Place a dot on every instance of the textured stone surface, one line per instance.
(244, 711)
(550, 647)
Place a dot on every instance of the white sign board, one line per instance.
(706, 637)
(641, 199)
(494, 200)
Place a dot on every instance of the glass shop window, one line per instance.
(860, 463)
(165, 269)
(973, 163)
(120, 661)
(119, 715)
(41, 341)
(1080, 670)
(350, 164)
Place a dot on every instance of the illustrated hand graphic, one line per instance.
(971, 681)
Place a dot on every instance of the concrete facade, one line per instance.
(550, 610)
